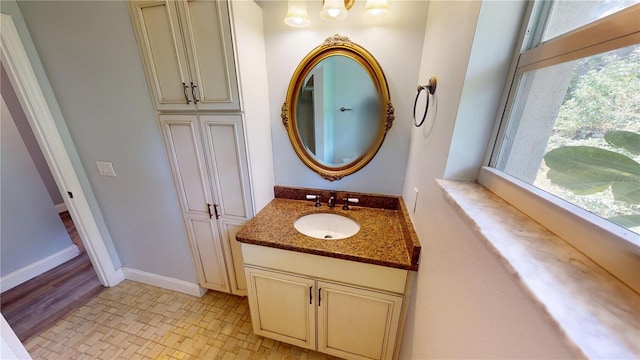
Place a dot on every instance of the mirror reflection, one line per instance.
(338, 110)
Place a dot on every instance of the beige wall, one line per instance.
(465, 304)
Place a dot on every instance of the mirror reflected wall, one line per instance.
(337, 110)
(396, 42)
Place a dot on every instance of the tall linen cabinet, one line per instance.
(206, 70)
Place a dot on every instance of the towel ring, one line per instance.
(431, 90)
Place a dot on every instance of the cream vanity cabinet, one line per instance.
(342, 308)
(210, 170)
(187, 52)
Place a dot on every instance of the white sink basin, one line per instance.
(326, 226)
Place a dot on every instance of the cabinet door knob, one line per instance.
(193, 92)
(310, 295)
(319, 298)
(209, 210)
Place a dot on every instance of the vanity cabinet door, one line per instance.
(282, 306)
(357, 323)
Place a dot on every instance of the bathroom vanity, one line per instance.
(344, 297)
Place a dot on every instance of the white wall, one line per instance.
(31, 229)
(396, 43)
(89, 53)
(465, 304)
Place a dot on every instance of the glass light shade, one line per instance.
(297, 14)
(334, 10)
(375, 8)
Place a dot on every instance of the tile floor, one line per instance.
(138, 321)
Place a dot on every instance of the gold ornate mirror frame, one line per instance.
(337, 45)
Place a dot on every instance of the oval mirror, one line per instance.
(338, 109)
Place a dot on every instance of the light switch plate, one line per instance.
(105, 168)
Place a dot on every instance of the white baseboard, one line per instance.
(62, 207)
(163, 282)
(39, 267)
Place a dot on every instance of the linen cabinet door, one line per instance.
(282, 306)
(207, 32)
(233, 256)
(228, 167)
(183, 143)
(208, 254)
(356, 323)
(164, 55)
(227, 154)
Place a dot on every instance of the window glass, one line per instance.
(574, 131)
(569, 15)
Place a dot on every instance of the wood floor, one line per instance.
(34, 306)
(71, 230)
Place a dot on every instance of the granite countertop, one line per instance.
(386, 236)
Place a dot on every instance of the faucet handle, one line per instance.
(348, 200)
(316, 198)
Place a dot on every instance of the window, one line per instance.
(572, 122)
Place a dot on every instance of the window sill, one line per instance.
(597, 314)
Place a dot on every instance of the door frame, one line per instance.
(25, 83)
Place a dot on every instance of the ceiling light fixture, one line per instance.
(332, 10)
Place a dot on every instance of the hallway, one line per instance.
(36, 305)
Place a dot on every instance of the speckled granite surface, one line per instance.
(386, 236)
(598, 315)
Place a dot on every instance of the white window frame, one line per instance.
(609, 245)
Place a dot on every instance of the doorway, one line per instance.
(23, 79)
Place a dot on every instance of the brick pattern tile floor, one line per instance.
(138, 321)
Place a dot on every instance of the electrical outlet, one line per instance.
(105, 168)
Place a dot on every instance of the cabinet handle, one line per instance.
(310, 295)
(215, 210)
(319, 297)
(209, 211)
(193, 92)
(186, 95)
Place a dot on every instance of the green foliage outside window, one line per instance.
(595, 149)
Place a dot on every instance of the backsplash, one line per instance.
(388, 202)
